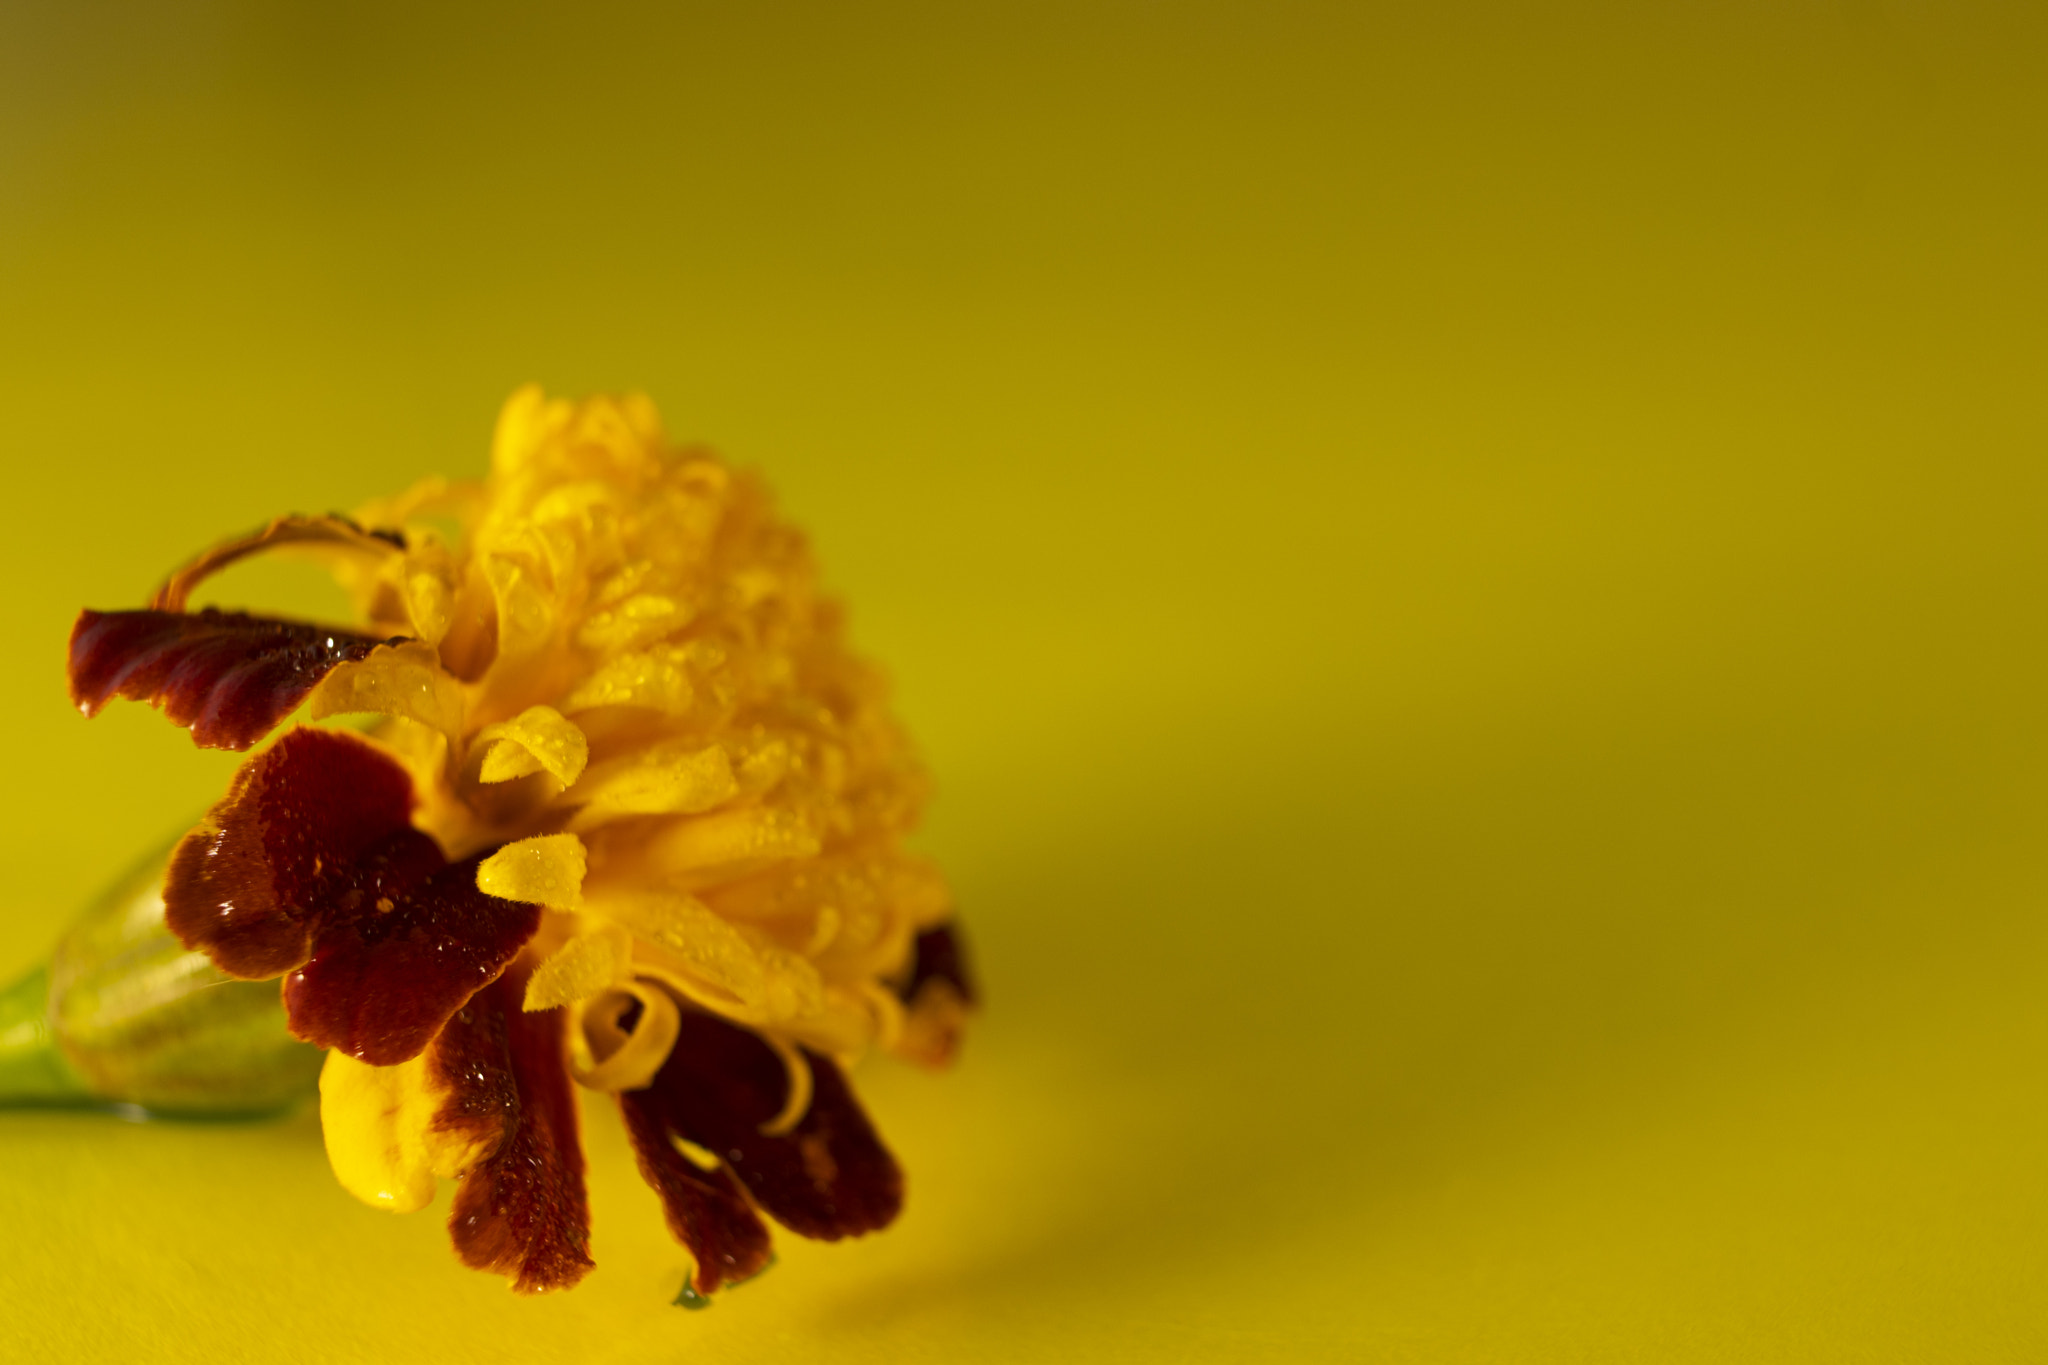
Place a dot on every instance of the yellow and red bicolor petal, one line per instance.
(228, 676)
(382, 1135)
(827, 1176)
(311, 865)
(522, 1210)
(489, 1105)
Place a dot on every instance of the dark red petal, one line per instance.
(707, 1210)
(312, 862)
(940, 955)
(521, 1211)
(381, 984)
(231, 677)
(249, 886)
(828, 1178)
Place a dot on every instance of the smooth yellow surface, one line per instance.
(1471, 577)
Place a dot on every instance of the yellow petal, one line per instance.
(802, 1085)
(365, 1120)
(762, 766)
(538, 739)
(729, 843)
(640, 619)
(544, 871)
(667, 779)
(428, 582)
(711, 960)
(433, 496)
(381, 1135)
(710, 947)
(586, 964)
(641, 416)
(603, 1056)
(526, 420)
(604, 438)
(394, 680)
(653, 678)
(526, 616)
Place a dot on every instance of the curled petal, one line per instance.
(336, 531)
(538, 739)
(827, 1177)
(885, 1010)
(796, 1100)
(311, 866)
(229, 676)
(522, 1210)
(619, 1056)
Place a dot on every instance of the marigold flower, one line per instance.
(631, 814)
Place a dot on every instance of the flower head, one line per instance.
(630, 813)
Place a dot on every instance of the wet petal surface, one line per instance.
(827, 1177)
(228, 676)
(311, 866)
(707, 1210)
(522, 1210)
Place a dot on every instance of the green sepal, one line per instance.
(33, 1069)
(689, 1297)
(129, 1016)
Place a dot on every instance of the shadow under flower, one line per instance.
(1234, 1043)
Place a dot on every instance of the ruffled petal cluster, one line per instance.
(630, 811)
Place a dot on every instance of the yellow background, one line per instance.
(1471, 576)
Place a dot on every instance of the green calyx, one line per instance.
(33, 1069)
(124, 1014)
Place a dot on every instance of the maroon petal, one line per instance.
(939, 955)
(828, 1178)
(521, 1211)
(380, 985)
(249, 886)
(707, 1210)
(229, 676)
(312, 863)
(939, 993)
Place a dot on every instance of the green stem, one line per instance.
(33, 1070)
